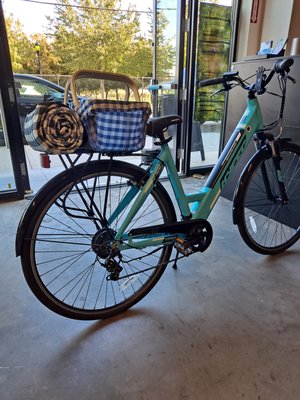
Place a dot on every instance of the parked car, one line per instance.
(30, 91)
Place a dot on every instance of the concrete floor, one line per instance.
(224, 326)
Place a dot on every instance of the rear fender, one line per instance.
(31, 209)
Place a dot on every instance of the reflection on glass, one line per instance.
(7, 180)
(167, 32)
(166, 40)
(213, 47)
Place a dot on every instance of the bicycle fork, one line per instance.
(274, 147)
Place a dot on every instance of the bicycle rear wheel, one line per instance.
(64, 237)
(269, 226)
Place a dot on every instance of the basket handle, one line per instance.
(85, 73)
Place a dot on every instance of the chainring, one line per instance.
(200, 236)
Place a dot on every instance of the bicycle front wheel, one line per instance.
(266, 224)
(65, 245)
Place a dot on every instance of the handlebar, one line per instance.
(227, 77)
(211, 82)
(281, 67)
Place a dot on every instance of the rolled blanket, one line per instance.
(53, 128)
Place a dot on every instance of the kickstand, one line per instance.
(174, 266)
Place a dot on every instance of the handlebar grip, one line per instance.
(284, 65)
(154, 87)
(210, 82)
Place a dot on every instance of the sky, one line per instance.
(33, 15)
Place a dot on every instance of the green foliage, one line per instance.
(22, 51)
(49, 60)
(139, 62)
(94, 34)
(20, 47)
(165, 49)
(212, 59)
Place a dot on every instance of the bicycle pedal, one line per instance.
(183, 247)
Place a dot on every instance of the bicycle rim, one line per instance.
(61, 257)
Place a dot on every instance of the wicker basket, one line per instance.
(111, 126)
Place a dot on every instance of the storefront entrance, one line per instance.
(201, 35)
(209, 56)
(192, 41)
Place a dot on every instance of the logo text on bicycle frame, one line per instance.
(241, 143)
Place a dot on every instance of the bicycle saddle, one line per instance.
(158, 125)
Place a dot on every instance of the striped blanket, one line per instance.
(54, 128)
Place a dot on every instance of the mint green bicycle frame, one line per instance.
(193, 206)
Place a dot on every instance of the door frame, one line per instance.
(191, 46)
(11, 116)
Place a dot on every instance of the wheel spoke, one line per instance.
(68, 249)
(267, 225)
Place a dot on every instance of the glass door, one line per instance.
(209, 57)
(168, 61)
(13, 171)
(7, 177)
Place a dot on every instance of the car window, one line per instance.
(32, 88)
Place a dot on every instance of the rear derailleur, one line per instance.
(105, 248)
(114, 269)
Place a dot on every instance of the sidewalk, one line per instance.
(38, 175)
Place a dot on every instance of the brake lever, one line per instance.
(291, 79)
(218, 91)
(227, 86)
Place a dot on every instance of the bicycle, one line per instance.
(98, 236)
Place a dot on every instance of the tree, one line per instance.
(96, 35)
(49, 60)
(22, 51)
(90, 34)
(20, 47)
(165, 49)
(212, 59)
(139, 63)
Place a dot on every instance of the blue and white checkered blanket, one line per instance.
(114, 126)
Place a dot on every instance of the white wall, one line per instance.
(249, 34)
(276, 20)
(273, 24)
(243, 30)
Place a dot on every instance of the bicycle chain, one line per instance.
(146, 269)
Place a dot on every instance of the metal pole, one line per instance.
(37, 48)
(154, 80)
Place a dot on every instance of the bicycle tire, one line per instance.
(58, 259)
(266, 226)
